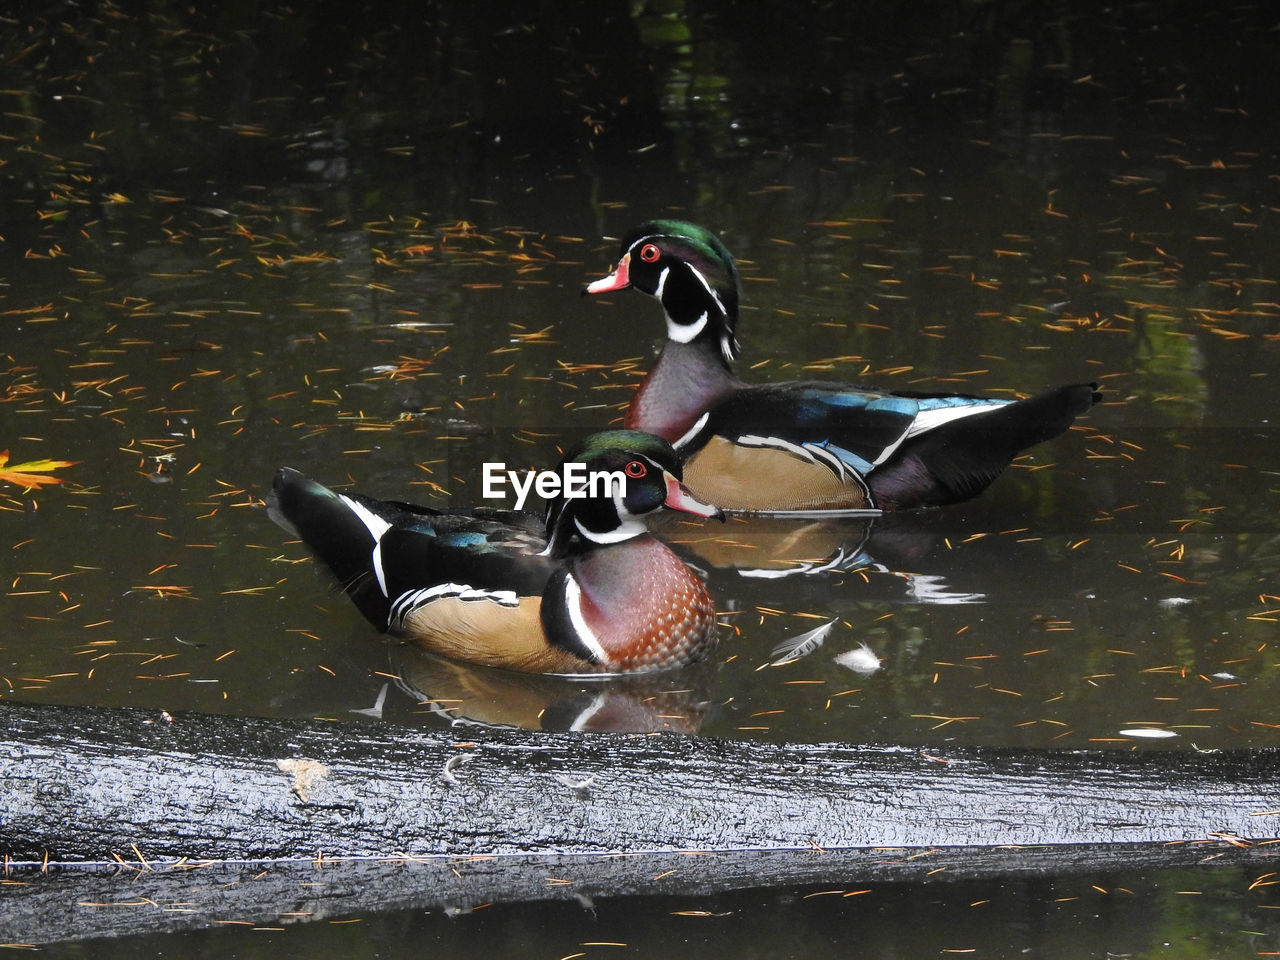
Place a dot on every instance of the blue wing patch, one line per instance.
(860, 464)
(465, 538)
(850, 427)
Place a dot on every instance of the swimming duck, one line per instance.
(588, 591)
(805, 445)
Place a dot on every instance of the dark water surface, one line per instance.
(353, 243)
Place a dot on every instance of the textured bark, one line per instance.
(81, 784)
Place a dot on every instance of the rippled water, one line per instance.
(239, 240)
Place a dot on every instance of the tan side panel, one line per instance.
(489, 633)
(765, 478)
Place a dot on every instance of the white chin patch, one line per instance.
(627, 528)
(685, 332)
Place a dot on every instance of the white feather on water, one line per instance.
(801, 645)
(861, 659)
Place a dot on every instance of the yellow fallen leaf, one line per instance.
(30, 475)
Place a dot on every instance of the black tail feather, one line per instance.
(334, 533)
(959, 460)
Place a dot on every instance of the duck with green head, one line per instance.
(805, 445)
(588, 590)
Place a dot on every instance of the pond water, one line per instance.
(270, 235)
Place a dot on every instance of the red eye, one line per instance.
(635, 469)
(650, 252)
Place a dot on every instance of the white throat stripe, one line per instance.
(573, 603)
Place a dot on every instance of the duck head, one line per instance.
(690, 272)
(628, 474)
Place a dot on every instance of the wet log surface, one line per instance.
(608, 812)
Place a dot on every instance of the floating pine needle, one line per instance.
(801, 645)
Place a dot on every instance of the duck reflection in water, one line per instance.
(762, 548)
(464, 693)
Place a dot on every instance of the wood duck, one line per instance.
(589, 591)
(805, 445)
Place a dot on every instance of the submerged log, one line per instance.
(85, 784)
